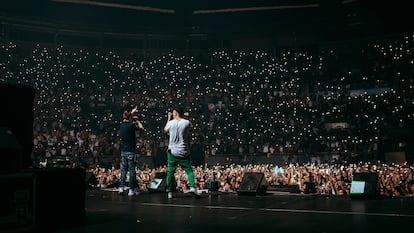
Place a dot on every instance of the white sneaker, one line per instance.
(170, 196)
(132, 192)
(120, 190)
(194, 192)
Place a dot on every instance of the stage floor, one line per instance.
(107, 211)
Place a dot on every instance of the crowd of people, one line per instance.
(394, 180)
(297, 101)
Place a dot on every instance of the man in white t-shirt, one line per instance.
(178, 148)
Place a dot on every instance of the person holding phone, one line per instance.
(128, 146)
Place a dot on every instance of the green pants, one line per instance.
(172, 166)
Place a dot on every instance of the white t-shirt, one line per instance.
(178, 131)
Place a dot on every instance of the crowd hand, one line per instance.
(134, 109)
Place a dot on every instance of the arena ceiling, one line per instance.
(326, 18)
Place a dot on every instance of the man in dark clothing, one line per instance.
(128, 146)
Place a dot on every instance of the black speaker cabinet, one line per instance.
(17, 101)
(10, 152)
(42, 200)
(364, 185)
(59, 198)
(17, 203)
(253, 183)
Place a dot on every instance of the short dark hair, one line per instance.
(179, 109)
(127, 115)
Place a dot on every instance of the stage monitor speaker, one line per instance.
(364, 185)
(253, 183)
(17, 101)
(159, 183)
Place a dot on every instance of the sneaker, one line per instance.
(120, 190)
(132, 192)
(194, 192)
(170, 196)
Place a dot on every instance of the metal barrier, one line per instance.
(109, 161)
